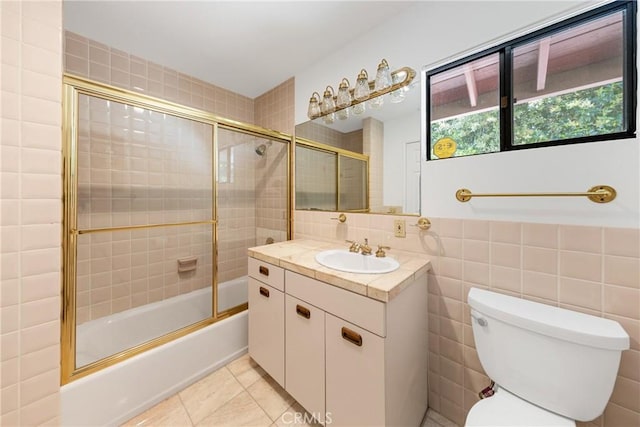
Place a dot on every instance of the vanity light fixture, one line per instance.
(386, 81)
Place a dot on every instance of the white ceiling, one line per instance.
(248, 47)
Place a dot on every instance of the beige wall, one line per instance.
(31, 212)
(595, 270)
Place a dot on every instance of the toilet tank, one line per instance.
(561, 360)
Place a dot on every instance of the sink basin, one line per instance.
(351, 262)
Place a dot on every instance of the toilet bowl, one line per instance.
(508, 410)
(552, 366)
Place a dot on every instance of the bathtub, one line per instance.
(119, 392)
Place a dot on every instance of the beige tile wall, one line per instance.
(31, 212)
(351, 141)
(238, 209)
(373, 140)
(274, 109)
(139, 167)
(316, 179)
(87, 58)
(594, 270)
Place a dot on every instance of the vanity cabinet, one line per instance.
(351, 358)
(304, 354)
(266, 317)
(355, 374)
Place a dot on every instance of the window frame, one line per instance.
(506, 91)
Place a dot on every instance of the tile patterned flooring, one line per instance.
(238, 394)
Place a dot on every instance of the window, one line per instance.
(572, 82)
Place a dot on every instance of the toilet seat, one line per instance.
(506, 409)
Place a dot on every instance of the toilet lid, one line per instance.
(506, 409)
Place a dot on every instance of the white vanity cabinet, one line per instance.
(355, 375)
(354, 359)
(266, 317)
(304, 354)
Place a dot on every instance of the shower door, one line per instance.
(253, 205)
(145, 226)
(142, 221)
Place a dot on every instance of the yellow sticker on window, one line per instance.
(445, 147)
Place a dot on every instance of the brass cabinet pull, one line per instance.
(264, 292)
(352, 336)
(264, 270)
(302, 311)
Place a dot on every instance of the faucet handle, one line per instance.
(380, 253)
(355, 246)
(342, 218)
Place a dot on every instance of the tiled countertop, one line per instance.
(299, 256)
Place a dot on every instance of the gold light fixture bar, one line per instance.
(597, 194)
(409, 75)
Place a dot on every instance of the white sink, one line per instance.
(352, 262)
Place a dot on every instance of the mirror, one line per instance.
(389, 136)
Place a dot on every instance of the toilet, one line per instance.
(551, 366)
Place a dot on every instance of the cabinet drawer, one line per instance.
(267, 273)
(266, 328)
(364, 312)
(355, 380)
(304, 355)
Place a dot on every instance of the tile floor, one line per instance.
(239, 394)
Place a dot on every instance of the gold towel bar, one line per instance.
(597, 194)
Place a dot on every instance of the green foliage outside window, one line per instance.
(594, 111)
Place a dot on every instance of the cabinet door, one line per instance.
(354, 374)
(266, 328)
(304, 353)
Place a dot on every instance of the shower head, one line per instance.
(262, 148)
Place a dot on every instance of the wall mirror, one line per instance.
(389, 135)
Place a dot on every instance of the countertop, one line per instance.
(299, 256)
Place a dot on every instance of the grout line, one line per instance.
(185, 408)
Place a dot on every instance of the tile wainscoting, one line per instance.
(595, 270)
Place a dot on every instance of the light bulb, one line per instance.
(329, 118)
(314, 106)
(328, 104)
(361, 91)
(376, 102)
(397, 95)
(358, 108)
(343, 100)
(383, 76)
(344, 96)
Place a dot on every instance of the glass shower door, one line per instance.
(253, 205)
(145, 226)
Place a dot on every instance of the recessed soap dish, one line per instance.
(187, 264)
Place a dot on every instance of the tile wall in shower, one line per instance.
(239, 217)
(139, 167)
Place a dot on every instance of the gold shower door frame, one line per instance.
(73, 87)
(340, 153)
